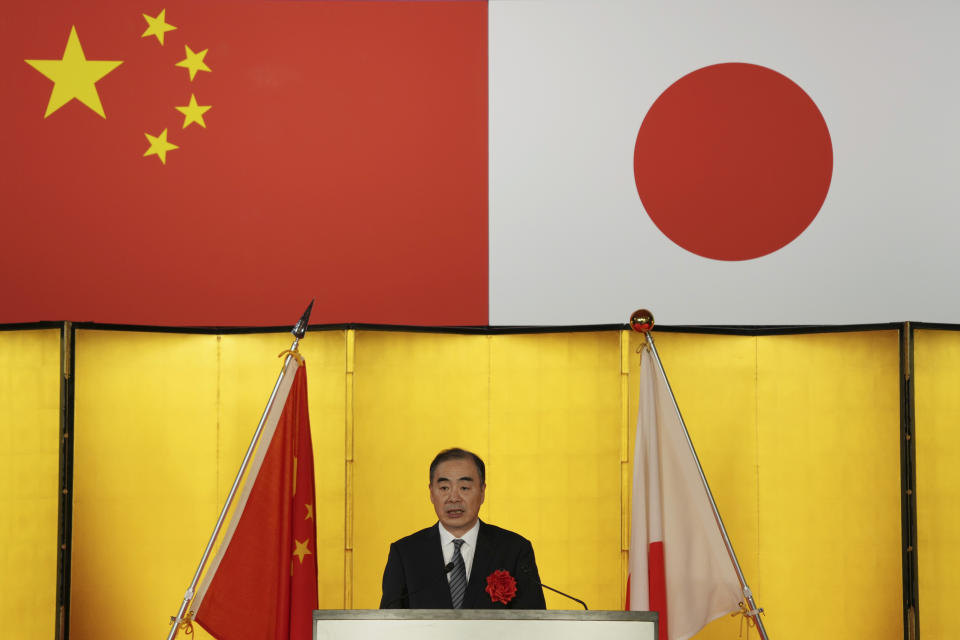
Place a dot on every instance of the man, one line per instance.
(448, 565)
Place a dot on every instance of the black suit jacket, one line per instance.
(414, 577)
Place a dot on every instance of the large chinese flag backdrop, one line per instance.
(343, 157)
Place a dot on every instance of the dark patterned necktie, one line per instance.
(458, 576)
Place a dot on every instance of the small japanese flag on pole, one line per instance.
(680, 563)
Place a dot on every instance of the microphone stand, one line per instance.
(584, 604)
(526, 569)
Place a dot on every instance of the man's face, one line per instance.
(456, 494)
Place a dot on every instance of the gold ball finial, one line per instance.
(641, 321)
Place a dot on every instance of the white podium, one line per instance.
(482, 624)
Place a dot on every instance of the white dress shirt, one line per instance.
(467, 549)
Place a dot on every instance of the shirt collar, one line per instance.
(470, 537)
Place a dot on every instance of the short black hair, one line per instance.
(458, 454)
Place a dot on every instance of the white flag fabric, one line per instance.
(573, 82)
(676, 546)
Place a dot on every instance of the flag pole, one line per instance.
(181, 619)
(641, 321)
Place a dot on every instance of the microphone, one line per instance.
(528, 570)
(447, 568)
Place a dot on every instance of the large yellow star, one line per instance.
(194, 62)
(302, 549)
(74, 76)
(159, 146)
(157, 26)
(193, 112)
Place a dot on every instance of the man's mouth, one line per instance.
(454, 513)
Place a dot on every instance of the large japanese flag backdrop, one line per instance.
(467, 163)
(631, 161)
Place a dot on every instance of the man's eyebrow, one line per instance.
(461, 478)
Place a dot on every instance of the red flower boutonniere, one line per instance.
(501, 586)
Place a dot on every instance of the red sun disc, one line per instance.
(733, 161)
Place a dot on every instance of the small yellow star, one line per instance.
(159, 146)
(74, 76)
(194, 62)
(309, 511)
(193, 112)
(302, 549)
(157, 26)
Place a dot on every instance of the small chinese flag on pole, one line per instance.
(262, 584)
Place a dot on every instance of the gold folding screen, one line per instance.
(829, 460)
(162, 423)
(937, 385)
(544, 411)
(29, 462)
(799, 439)
(798, 436)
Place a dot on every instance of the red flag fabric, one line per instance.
(181, 166)
(262, 583)
(679, 564)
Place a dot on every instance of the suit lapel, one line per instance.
(474, 596)
(435, 564)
